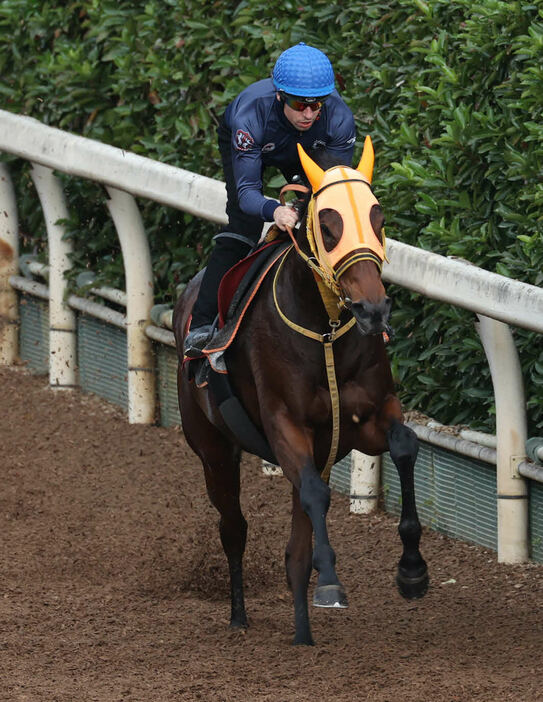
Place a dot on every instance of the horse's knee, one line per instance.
(403, 445)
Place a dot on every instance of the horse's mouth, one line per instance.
(372, 318)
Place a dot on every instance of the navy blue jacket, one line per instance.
(262, 136)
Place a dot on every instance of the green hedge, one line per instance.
(450, 92)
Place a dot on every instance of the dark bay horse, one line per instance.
(311, 410)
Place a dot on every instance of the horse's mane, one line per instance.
(326, 159)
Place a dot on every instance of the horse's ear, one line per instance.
(368, 157)
(312, 170)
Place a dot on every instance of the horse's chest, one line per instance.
(354, 404)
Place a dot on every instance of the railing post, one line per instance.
(9, 261)
(62, 320)
(365, 481)
(139, 301)
(512, 491)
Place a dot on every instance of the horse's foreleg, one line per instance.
(293, 447)
(412, 577)
(298, 565)
(315, 501)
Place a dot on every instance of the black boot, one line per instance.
(226, 253)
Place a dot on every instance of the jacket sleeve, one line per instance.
(247, 168)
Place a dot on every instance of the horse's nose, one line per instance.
(372, 318)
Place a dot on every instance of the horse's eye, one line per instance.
(327, 234)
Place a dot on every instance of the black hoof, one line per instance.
(413, 588)
(239, 625)
(330, 596)
(303, 642)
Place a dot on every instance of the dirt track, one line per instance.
(113, 582)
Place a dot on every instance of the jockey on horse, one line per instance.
(309, 367)
(260, 128)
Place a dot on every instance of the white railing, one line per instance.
(497, 301)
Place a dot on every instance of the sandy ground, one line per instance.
(113, 583)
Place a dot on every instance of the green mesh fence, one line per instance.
(536, 520)
(34, 333)
(340, 476)
(455, 495)
(167, 385)
(102, 357)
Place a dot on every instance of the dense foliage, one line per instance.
(450, 91)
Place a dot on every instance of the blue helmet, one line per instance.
(303, 71)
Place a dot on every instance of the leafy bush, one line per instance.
(450, 91)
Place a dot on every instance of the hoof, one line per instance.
(413, 588)
(303, 642)
(239, 625)
(330, 596)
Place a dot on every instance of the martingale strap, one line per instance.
(327, 340)
(327, 281)
(337, 329)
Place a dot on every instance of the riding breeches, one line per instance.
(225, 254)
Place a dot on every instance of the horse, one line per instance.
(312, 407)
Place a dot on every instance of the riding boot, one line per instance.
(228, 250)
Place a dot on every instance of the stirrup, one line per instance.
(197, 339)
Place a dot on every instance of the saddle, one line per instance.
(236, 293)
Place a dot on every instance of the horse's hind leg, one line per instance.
(298, 564)
(222, 480)
(220, 460)
(412, 577)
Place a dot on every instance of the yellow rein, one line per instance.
(333, 300)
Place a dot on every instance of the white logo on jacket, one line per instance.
(244, 141)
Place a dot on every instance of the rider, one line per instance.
(261, 128)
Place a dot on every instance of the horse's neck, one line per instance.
(301, 302)
(304, 304)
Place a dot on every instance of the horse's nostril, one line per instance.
(372, 317)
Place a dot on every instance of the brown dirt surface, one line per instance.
(114, 584)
